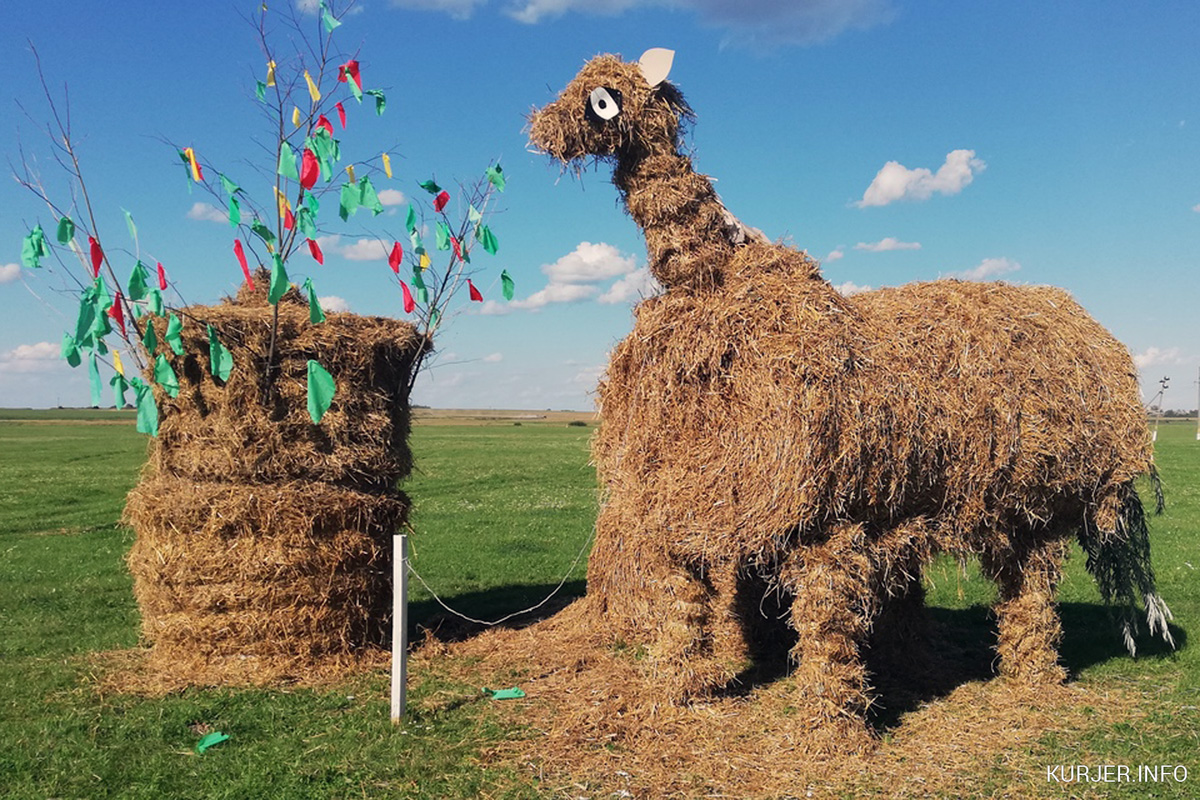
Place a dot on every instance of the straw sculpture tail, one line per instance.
(766, 440)
(1120, 562)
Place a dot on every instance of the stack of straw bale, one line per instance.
(263, 540)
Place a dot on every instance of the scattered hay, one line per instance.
(597, 728)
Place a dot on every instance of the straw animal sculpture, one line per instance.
(763, 436)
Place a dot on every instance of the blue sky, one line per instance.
(895, 141)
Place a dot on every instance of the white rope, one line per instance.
(507, 617)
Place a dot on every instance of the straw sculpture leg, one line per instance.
(1028, 623)
(697, 634)
(831, 614)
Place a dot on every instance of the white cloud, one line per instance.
(588, 376)
(494, 358)
(457, 9)
(10, 273)
(987, 269)
(40, 357)
(589, 262)
(849, 287)
(748, 22)
(1196, 208)
(1154, 356)
(574, 277)
(886, 244)
(307, 6)
(835, 255)
(897, 182)
(556, 293)
(391, 197)
(366, 250)
(634, 286)
(492, 308)
(333, 303)
(207, 212)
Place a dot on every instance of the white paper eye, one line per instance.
(603, 104)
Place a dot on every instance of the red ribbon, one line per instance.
(162, 277)
(457, 248)
(118, 314)
(440, 201)
(350, 69)
(315, 249)
(310, 169)
(241, 257)
(341, 115)
(409, 303)
(395, 256)
(97, 256)
(323, 122)
(289, 219)
(475, 295)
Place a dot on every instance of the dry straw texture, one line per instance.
(263, 546)
(596, 728)
(225, 431)
(767, 443)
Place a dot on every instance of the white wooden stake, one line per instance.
(399, 626)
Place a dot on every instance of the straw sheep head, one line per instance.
(613, 108)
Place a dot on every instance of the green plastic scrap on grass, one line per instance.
(514, 693)
(211, 740)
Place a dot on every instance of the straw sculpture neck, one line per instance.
(690, 236)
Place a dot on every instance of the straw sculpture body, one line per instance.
(764, 436)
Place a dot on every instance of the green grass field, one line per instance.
(501, 511)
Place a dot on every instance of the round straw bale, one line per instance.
(297, 569)
(246, 430)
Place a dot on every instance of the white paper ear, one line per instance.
(655, 64)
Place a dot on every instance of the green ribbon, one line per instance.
(495, 176)
(137, 288)
(66, 230)
(70, 350)
(147, 409)
(487, 239)
(165, 376)
(220, 360)
(174, 334)
(321, 390)
(149, 337)
(316, 315)
(279, 280)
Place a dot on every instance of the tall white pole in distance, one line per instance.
(399, 626)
